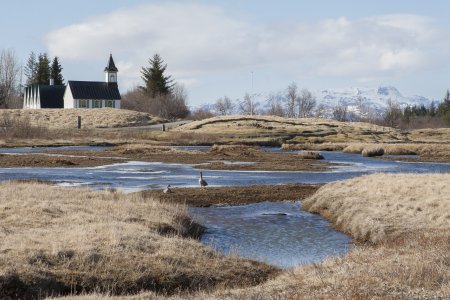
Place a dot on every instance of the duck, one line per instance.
(202, 181)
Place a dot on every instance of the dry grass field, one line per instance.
(271, 129)
(59, 241)
(68, 118)
(407, 255)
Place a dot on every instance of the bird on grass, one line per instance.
(202, 181)
(167, 190)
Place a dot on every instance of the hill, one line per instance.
(276, 130)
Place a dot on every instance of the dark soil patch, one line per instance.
(234, 194)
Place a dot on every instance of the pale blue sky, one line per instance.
(213, 46)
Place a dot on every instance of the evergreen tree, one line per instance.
(432, 109)
(443, 109)
(30, 69)
(43, 69)
(55, 72)
(156, 83)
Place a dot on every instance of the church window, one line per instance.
(97, 103)
(83, 103)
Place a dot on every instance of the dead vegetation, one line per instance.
(68, 118)
(310, 155)
(271, 130)
(60, 241)
(381, 206)
(437, 152)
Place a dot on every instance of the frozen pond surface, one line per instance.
(279, 233)
(135, 176)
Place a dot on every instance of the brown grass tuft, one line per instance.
(310, 155)
(236, 150)
(373, 151)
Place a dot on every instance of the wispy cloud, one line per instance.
(197, 40)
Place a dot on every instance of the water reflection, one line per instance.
(279, 233)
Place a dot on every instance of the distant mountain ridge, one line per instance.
(373, 99)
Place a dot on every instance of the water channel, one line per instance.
(279, 233)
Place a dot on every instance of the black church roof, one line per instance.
(111, 67)
(51, 96)
(94, 90)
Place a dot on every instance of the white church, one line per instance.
(76, 94)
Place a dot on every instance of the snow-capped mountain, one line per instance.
(375, 99)
(360, 101)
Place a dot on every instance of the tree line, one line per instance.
(39, 70)
(419, 116)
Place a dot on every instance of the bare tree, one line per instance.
(224, 106)
(393, 113)
(201, 113)
(321, 111)
(170, 106)
(246, 106)
(275, 106)
(291, 99)
(306, 103)
(9, 76)
(340, 112)
(177, 102)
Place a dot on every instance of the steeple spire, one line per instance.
(111, 71)
(111, 67)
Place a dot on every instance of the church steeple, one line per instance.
(111, 71)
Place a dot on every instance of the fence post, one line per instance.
(79, 122)
(163, 127)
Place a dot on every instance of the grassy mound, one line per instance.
(376, 207)
(59, 241)
(310, 155)
(236, 150)
(373, 151)
(271, 130)
(68, 118)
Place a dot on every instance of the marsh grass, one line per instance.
(310, 155)
(373, 151)
(378, 207)
(58, 241)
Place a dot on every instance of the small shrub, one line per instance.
(353, 148)
(373, 151)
